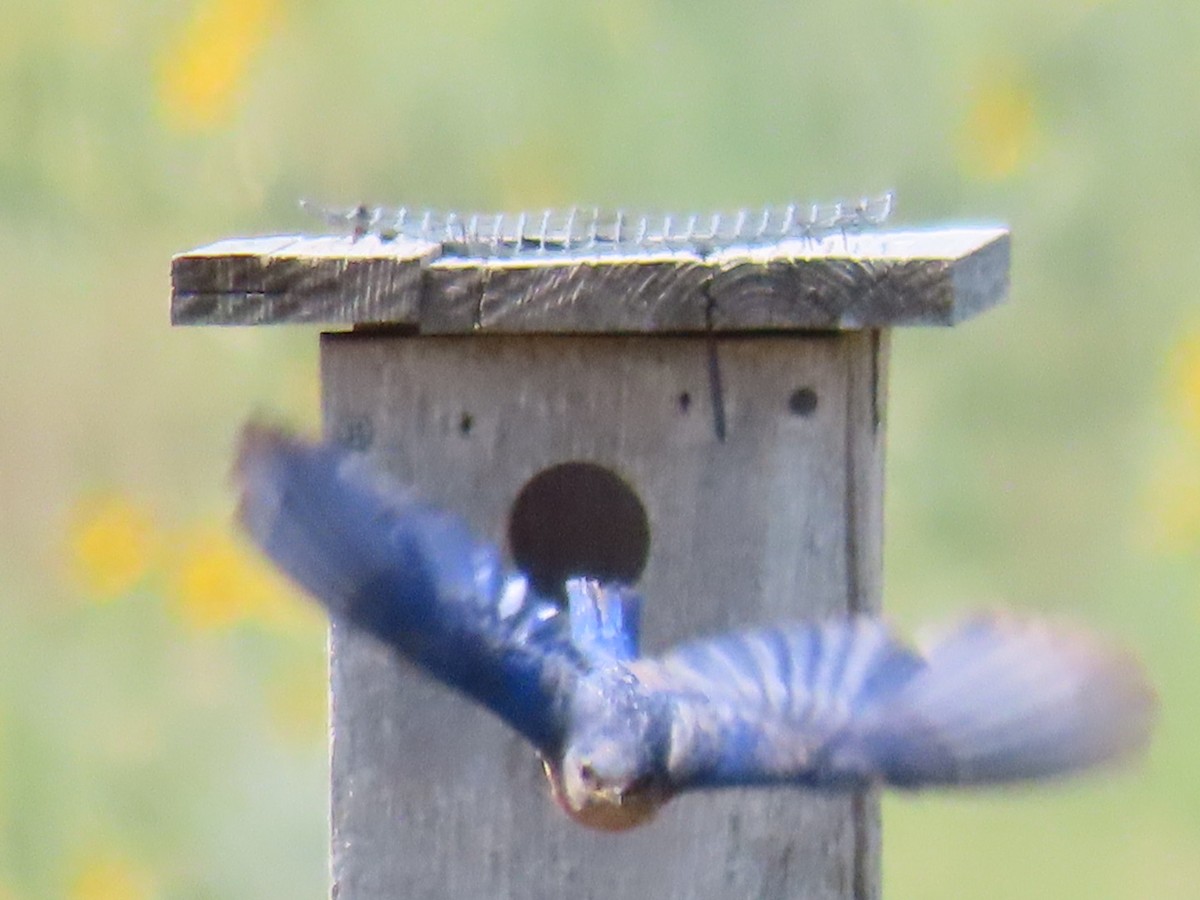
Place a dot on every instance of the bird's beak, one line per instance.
(610, 795)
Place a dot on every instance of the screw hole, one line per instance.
(465, 424)
(803, 401)
(578, 519)
(355, 434)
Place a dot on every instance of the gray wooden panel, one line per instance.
(652, 292)
(258, 281)
(432, 797)
(662, 291)
(868, 280)
(863, 281)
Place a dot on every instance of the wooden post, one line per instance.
(736, 393)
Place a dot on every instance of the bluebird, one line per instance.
(834, 706)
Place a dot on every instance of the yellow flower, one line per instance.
(999, 129)
(1173, 497)
(106, 878)
(218, 583)
(204, 69)
(111, 545)
(1184, 386)
(1173, 503)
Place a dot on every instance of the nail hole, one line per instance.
(685, 402)
(465, 424)
(803, 401)
(355, 434)
(578, 519)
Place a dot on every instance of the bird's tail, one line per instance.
(1004, 699)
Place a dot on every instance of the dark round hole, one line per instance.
(578, 519)
(685, 402)
(803, 401)
(465, 424)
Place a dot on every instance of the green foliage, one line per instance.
(160, 733)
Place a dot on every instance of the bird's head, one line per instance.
(607, 784)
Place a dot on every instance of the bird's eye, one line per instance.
(587, 773)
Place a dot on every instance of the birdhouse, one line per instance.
(692, 405)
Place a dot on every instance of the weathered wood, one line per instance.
(913, 278)
(776, 514)
(841, 281)
(653, 292)
(259, 281)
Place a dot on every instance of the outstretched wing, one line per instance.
(844, 704)
(412, 576)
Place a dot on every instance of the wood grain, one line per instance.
(852, 281)
(779, 519)
(263, 281)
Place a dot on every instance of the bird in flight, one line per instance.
(836, 705)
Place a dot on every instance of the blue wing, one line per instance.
(844, 705)
(412, 576)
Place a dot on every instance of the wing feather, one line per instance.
(845, 704)
(412, 576)
(759, 707)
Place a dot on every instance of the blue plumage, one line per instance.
(605, 621)
(836, 705)
(413, 577)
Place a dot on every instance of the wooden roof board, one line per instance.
(873, 279)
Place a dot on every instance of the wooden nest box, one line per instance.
(698, 411)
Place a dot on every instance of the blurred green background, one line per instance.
(161, 696)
